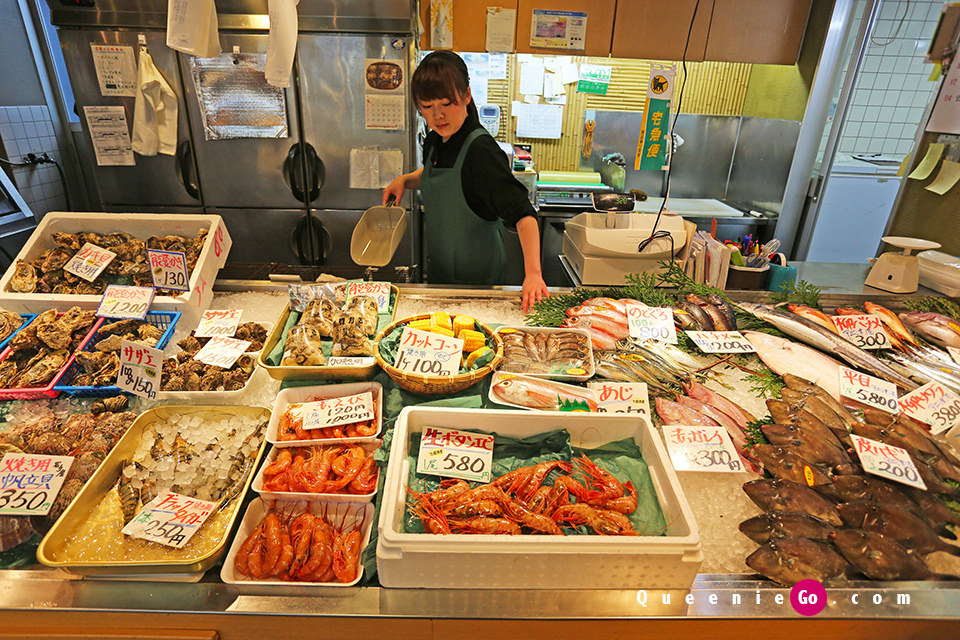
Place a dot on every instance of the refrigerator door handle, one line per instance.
(187, 170)
(293, 173)
(316, 170)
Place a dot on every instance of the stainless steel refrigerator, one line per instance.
(272, 192)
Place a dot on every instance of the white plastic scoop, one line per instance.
(377, 234)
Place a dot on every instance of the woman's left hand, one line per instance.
(534, 290)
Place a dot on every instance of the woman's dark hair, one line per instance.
(442, 75)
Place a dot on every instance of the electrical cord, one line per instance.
(14, 164)
(654, 234)
(33, 159)
(63, 182)
(892, 38)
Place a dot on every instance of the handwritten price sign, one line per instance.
(30, 483)
(622, 397)
(934, 405)
(222, 352)
(701, 449)
(349, 361)
(428, 353)
(651, 323)
(119, 301)
(871, 391)
(379, 291)
(721, 341)
(218, 322)
(332, 412)
(169, 270)
(455, 454)
(170, 519)
(140, 369)
(887, 461)
(864, 330)
(89, 262)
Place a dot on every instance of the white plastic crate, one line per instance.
(537, 561)
(141, 225)
(294, 395)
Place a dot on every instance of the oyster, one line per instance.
(24, 278)
(304, 347)
(27, 338)
(9, 322)
(110, 344)
(121, 327)
(350, 338)
(67, 240)
(56, 258)
(321, 313)
(255, 333)
(365, 307)
(44, 369)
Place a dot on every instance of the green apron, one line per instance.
(462, 247)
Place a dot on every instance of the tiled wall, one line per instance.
(26, 130)
(894, 87)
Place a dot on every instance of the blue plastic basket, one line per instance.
(166, 320)
(27, 319)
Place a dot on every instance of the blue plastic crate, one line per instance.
(27, 319)
(166, 320)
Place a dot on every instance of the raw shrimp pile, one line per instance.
(291, 428)
(338, 468)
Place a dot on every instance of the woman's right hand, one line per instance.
(395, 189)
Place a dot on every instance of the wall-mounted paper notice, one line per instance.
(478, 66)
(552, 86)
(531, 78)
(929, 162)
(558, 99)
(569, 72)
(946, 111)
(498, 66)
(539, 121)
(110, 135)
(528, 99)
(500, 28)
(948, 176)
(441, 24)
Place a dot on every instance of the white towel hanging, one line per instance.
(192, 27)
(154, 111)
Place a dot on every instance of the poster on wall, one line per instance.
(946, 112)
(655, 136)
(558, 29)
(384, 101)
(116, 68)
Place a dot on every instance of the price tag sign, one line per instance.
(170, 519)
(119, 301)
(863, 330)
(222, 352)
(651, 323)
(89, 262)
(428, 353)
(379, 291)
(30, 483)
(721, 341)
(218, 322)
(455, 454)
(868, 390)
(332, 412)
(622, 397)
(140, 369)
(343, 361)
(933, 405)
(169, 269)
(701, 449)
(887, 461)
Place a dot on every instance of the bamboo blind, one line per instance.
(713, 88)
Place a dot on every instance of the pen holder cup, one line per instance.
(747, 277)
(781, 277)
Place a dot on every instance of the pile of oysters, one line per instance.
(183, 373)
(43, 347)
(99, 367)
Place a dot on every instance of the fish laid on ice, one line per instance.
(807, 443)
(814, 405)
(814, 315)
(939, 329)
(807, 387)
(737, 435)
(540, 394)
(881, 558)
(772, 494)
(711, 397)
(855, 488)
(790, 560)
(785, 356)
(718, 318)
(673, 413)
(774, 526)
(785, 464)
(600, 339)
(894, 327)
(613, 303)
(901, 525)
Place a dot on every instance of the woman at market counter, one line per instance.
(468, 190)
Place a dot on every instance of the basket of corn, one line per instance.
(482, 351)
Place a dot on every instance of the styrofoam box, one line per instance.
(537, 561)
(330, 497)
(141, 225)
(293, 395)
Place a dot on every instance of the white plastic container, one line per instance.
(329, 497)
(190, 304)
(569, 375)
(294, 395)
(530, 561)
(939, 271)
(589, 395)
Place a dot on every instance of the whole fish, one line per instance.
(923, 370)
(772, 494)
(783, 413)
(807, 387)
(816, 336)
(711, 397)
(737, 435)
(816, 406)
(785, 357)
(717, 316)
(939, 329)
(894, 522)
(892, 323)
(610, 314)
(673, 413)
(808, 444)
(725, 308)
(889, 436)
(932, 508)
(790, 560)
(599, 338)
(847, 311)
(539, 394)
(683, 320)
(788, 465)
(670, 357)
(601, 323)
(620, 305)
(881, 558)
(613, 370)
(774, 526)
(613, 366)
(814, 315)
(700, 317)
(854, 488)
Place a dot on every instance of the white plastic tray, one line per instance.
(293, 395)
(347, 515)
(563, 377)
(500, 375)
(293, 495)
(529, 561)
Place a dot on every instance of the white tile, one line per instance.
(871, 114)
(30, 128)
(905, 99)
(4, 118)
(871, 64)
(856, 113)
(38, 113)
(860, 98)
(889, 146)
(19, 133)
(882, 81)
(13, 114)
(25, 114)
(867, 129)
(901, 114)
(866, 80)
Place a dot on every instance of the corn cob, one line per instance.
(422, 324)
(463, 322)
(472, 340)
(444, 331)
(441, 319)
(477, 354)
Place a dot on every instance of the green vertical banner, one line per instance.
(655, 136)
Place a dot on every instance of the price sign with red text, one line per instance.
(170, 519)
(868, 390)
(379, 291)
(428, 353)
(218, 322)
(934, 405)
(222, 352)
(89, 262)
(651, 323)
(701, 449)
(140, 369)
(119, 301)
(30, 483)
(332, 412)
(721, 341)
(169, 269)
(622, 397)
(455, 454)
(887, 461)
(864, 330)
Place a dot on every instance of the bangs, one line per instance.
(435, 79)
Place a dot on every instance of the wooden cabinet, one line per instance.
(469, 23)
(657, 30)
(600, 15)
(748, 31)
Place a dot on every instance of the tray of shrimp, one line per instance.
(344, 472)
(293, 406)
(291, 547)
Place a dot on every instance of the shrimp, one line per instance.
(272, 541)
(624, 504)
(350, 462)
(301, 535)
(496, 526)
(242, 559)
(602, 483)
(433, 519)
(527, 518)
(346, 555)
(282, 462)
(602, 521)
(321, 551)
(366, 480)
(538, 473)
(286, 553)
(478, 508)
(367, 428)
